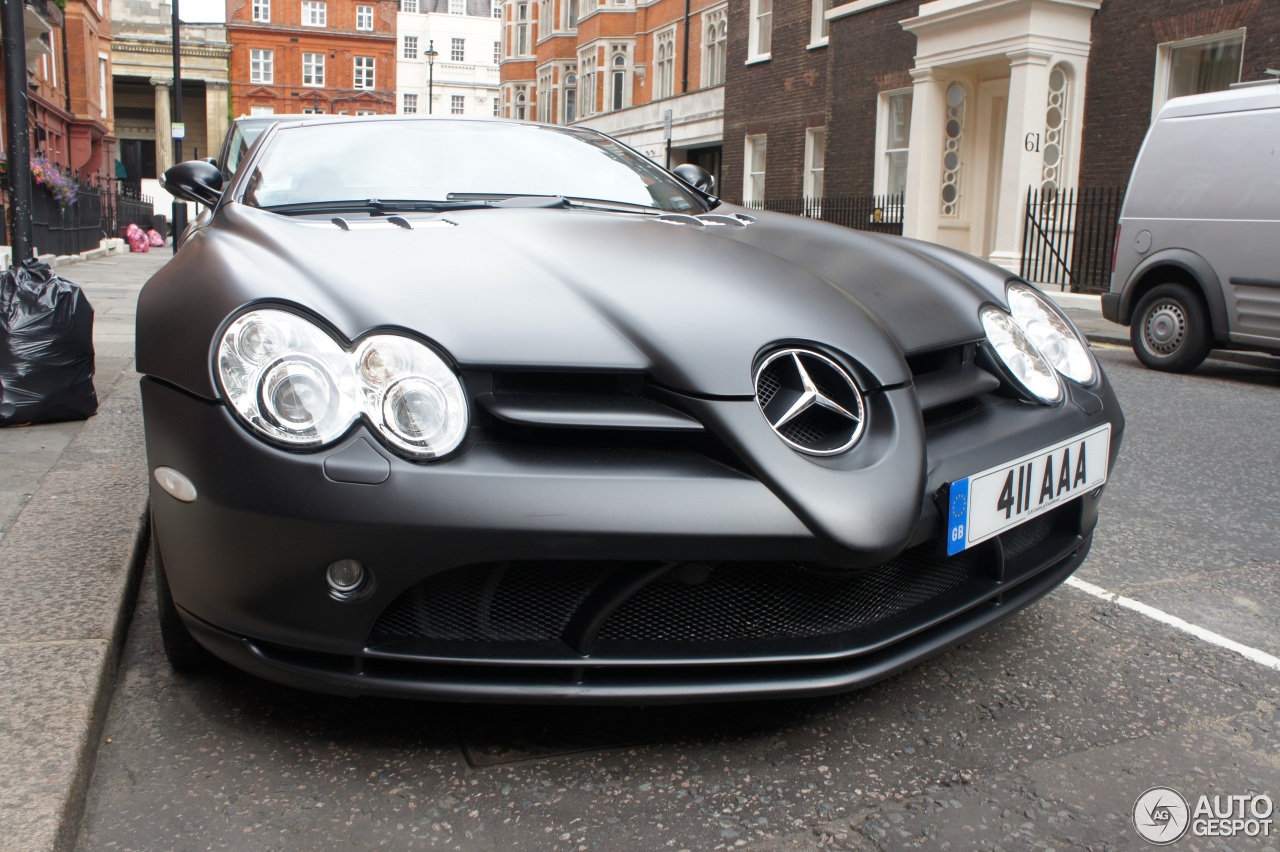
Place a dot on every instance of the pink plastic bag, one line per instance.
(153, 236)
(137, 239)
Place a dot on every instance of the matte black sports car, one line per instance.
(490, 410)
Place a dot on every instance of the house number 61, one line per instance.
(1032, 143)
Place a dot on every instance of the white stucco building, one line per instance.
(462, 76)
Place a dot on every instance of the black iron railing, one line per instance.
(103, 208)
(880, 213)
(1070, 237)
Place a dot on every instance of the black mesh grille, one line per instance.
(1023, 537)
(767, 386)
(695, 602)
(746, 601)
(497, 602)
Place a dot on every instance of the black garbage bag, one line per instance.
(46, 347)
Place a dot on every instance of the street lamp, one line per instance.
(431, 55)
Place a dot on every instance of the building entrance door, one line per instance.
(993, 114)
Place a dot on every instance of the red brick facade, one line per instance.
(339, 41)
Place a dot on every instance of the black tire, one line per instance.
(185, 654)
(1170, 329)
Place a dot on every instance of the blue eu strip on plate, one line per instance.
(957, 517)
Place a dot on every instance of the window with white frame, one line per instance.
(815, 158)
(664, 84)
(262, 110)
(544, 18)
(457, 104)
(313, 69)
(364, 18)
(312, 111)
(570, 8)
(1054, 173)
(619, 78)
(261, 65)
(715, 38)
(587, 83)
(546, 93)
(408, 5)
(495, 7)
(457, 7)
(362, 72)
(314, 13)
(760, 37)
(104, 74)
(457, 49)
(497, 52)
(262, 11)
(569, 111)
(497, 107)
(753, 175)
(522, 103)
(410, 49)
(820, 27)
(409, 103)
(522, 29)
(953, 150)
(366, 112)
(1197, 65)
(893, 141)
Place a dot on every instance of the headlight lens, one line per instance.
(294, 384)
(1052, 333)
(1020, 356)
(287, 379)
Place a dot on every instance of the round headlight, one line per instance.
(412, 396)
(1020, 356)
(287, 378)
(1052, 333)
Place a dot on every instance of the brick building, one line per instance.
(962, 105)
(69, 85)
(461, 76)
(312, 56)
(651, 74)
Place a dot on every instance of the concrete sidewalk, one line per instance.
(72, 520)
(72, 542)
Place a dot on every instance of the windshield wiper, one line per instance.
(512, 199)
(384, 206)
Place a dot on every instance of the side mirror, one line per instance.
(194, 180)
(697, 177)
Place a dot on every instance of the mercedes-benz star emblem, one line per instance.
(810, 401)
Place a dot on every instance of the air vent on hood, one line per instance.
(712, 219)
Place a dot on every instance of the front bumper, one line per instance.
(246, 562)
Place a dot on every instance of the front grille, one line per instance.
(705, 603)
(780, 600)
(495, 602)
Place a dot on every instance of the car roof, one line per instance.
(1231, 100)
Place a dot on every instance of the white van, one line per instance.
(1197, 259)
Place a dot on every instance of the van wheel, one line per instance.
(1170, 329)
(185, 654)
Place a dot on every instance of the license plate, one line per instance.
(998, 499)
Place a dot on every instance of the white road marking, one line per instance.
(1260, 657)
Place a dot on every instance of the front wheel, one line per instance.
(185, 654)
(1170, 329)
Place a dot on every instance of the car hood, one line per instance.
(692, 303)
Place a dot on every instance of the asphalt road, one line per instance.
(1041, 733)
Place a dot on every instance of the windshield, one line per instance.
(432, 160)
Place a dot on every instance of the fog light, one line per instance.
(175, 484)
(345, 576)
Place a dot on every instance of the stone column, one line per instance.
(924, 165)
(164, 126)
(215, 115)
(1023, 165)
